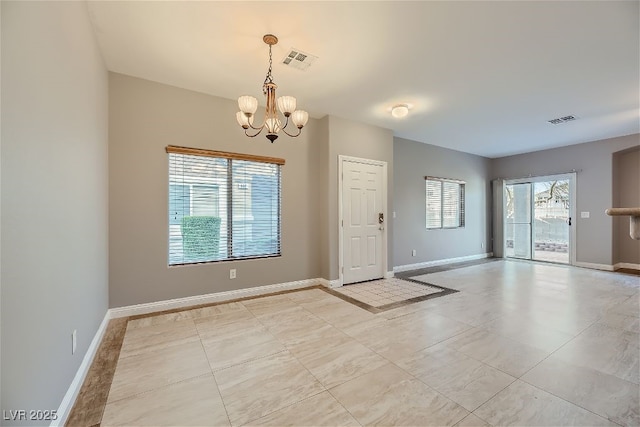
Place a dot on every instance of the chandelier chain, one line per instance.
(269, 78)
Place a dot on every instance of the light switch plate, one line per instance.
(584, 214)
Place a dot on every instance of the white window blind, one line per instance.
(444, 202)
(222, 206)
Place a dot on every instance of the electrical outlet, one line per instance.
(74, 341)
(482, 245)
(413, 252)
(232, 273)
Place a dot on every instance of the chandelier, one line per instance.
(286, 104)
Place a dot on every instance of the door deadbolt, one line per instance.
(380, 218)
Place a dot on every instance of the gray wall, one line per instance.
(414, 161)
(354, 139)
(54, 198)
(626, 194)
(593, 161)
(145, 117)
(321, 141)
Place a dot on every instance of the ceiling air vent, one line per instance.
(562, 120)
(299, 59)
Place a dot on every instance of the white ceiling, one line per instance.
(483, 77)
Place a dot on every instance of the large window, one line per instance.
(445, 203)
(222, 206)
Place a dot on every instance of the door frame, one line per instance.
(341, 160)
(571, 176)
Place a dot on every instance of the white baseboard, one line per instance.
(626, 265)
(389, 275)
(329, 283)
(152, 307)
(409, 267)
(324, 282)
(72, 393)
(594, 266)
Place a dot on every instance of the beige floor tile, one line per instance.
(600, 330)
(222, 323)
(147, 371)
(240, 346)
(608, 396)
(570, 322)
(309, 295)
(214, 327)
(472, 420)
(630, 307)
(152, 338)
(185, 314)
(260, 387)
(218, 309)
(474, 311)
(339, 313)
(333, 360)
(464, 380)
(324, 332)
(194, 402)
(389, 396)
(529, 332)
(319, 410)
(621, 321)
(292, 325)
(608, 350)
(404, 335)
(415, 307)
(269, 305)
(362, 329)
(159, 319)
(265, 350)
(497, 351)
(521, 404)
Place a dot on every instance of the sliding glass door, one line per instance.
(538, 218)
(551, 221)
(518, 220)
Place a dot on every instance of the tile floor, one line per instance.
(520, 344)
(378, 293)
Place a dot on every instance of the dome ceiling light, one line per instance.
(400, 110)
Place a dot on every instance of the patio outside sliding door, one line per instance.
(552, 221)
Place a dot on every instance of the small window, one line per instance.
(445, 203)
(222, 206)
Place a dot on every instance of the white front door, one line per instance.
(363, 215)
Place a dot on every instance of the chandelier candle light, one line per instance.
(286, 104)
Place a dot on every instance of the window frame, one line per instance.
(460, 205)
(229, 194)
